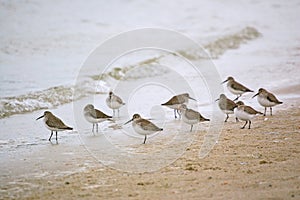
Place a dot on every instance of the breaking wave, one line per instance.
(56, 96)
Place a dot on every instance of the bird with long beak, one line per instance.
(53, 123)
(176, 101)
(190, 116)
(245, 113)
(143, 126)
(95, 116)
(236, 88)
(226, 105)
(267, 100)
(114, 102)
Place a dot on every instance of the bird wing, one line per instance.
(56, 122)
(228, 105)
(271, 97)
(119, 100)
(192, 114)
(147, 125)
(99, 114)
(238, 86)
(175, 100)
(250, 110)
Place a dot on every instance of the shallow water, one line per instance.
(40, 61)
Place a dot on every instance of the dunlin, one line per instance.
(190, 116)
(94, 116)
(176, 101)
(143, 126)
(53, 123)
(245, 113)
(235, 87)
(266, 99)
(114, 102)
(226, 105)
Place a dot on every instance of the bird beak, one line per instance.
(128, 121)
(224, 81)
(255, 95)
(40, 117)
(192, 98)
(217, 99)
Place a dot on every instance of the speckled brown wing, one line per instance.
(55, 122)
(271, 97)
(250, 110)
(147, 125)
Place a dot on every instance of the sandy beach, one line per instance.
(260, 163)
(48, 62)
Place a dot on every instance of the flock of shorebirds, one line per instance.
(178, 104)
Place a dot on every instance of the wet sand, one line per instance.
(261, 163)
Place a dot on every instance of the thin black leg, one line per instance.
(271, 110)
(51, 136)
(191, 128)
(97, 127)
(93, 128)
(249, 124)
(175, 113)
(56, 135)
(265, 111)
(237, 120)
(227, 116)
(244, 125)
(145, 139)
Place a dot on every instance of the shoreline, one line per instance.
(258, 163)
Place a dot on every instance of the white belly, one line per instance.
(189, 121)
(265, 102)
(141, 131)
(113, 104)
(227, 111)
(242, 115)
(93, 120)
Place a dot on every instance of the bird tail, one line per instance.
(206, 119)
(280, 102)
(68, 128)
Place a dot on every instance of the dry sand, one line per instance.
(261, 163)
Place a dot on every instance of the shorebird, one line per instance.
(143, 126)
(190, 116)
(176, 101)
(114, 102)
(226, 105)
(235, 87)
(53, 123)
(94, 116)
(245, 113)
(266, 99)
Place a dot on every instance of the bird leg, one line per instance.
(56, 135)
(227, 116)
(93, 128)
(265, 111)
(145, 139)
(191, 128)
(271, 111)
(179, 114)
(249, 124)
(237, 120)
(244, 125)
(97, 127)
(51, 136)
(175, 113)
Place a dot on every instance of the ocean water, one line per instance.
(44, 46)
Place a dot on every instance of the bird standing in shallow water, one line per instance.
(245, 113)
(176, 101)
(143, 126)
(235, 87)
(114, 102)
(94, 116)
(266, 99)
(53, 123)
(226, 105)
(190, 116)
